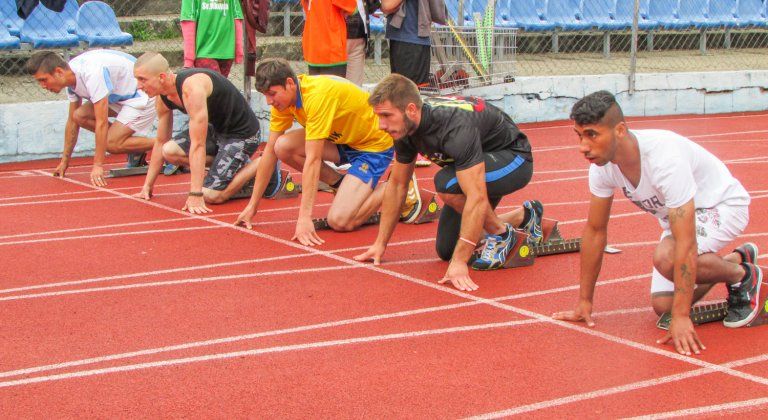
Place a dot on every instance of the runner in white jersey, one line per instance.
(701, 208)
(104, 78)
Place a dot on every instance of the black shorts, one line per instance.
(230, 154)
(505, 173)
(410, 60)
(339, 70)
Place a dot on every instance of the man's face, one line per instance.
(151, 84)
(395, 122)
(597, 142)
(52, 82)
(281, 97)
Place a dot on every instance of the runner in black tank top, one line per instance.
(231, 137)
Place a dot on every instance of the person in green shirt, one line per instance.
(213, 34)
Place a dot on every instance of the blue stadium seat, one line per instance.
(453, 11)
(97, 25)
(600, 14)
(722, 13)
(523, 15)
(565, 14)
(10, 18)
(750, 12)
(625, 11)
(665, 13)
(377, 24)
(8, 41)
(692, 13)
(45, 28)
(70, 15)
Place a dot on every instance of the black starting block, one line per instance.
(322, 224)
(525, 251)
(288, 188)
(121, 172)
(700, 314)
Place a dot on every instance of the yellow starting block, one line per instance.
(288, 188)
(430, 209)
(525, 251)
(762, 316)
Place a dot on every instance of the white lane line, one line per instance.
(254, 352)
(190, 268)
(117, 225)
(64, 201)
(284, 331)
(25, 197)
(738, 406)
(108, 235)
(524, 312)
(614, 390)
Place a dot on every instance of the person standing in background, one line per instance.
(358, 31)
(213, 34)
(408, 26)
(325, 35)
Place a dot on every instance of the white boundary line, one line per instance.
(734, 406)
(524, 312)
(108, 235)
(25, 197)
(310, 327)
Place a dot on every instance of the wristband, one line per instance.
(468, 241)
(195, 194)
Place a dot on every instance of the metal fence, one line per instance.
(551, 37)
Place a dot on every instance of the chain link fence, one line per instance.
(551, 37)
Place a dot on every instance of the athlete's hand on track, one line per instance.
(683, 336)
(144, 194)
(61, 170)
(196, 205)
(245, 218)
(97, 176)
(306, 234)
(375, 252)
(582, 313)
(458, 275)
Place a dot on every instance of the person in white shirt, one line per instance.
(104, 78)
(700, 206)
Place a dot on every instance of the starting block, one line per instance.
(700, 314)
(430, 210)
(288, 188)
(525, 251)
(121, 172)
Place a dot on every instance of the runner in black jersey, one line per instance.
(484, 157)
(223, 130)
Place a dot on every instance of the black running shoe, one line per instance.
(743, 306)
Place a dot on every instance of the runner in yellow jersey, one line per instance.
(338, 126)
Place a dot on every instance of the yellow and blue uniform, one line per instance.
(334, 109)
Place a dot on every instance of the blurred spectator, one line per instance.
(213, 34)
(408, 26)
(358, 31)
(325, 35)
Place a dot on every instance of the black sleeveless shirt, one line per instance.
(228, 111)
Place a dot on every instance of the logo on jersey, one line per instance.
(651, 205)
(364, 168)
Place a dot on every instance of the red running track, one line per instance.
(111, 306)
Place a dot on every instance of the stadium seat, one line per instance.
(97, 25)
(45, 28)
(453, 11)
(523, 15)
(565, 14)
(692, 13)
(625, 11)
(8, 41)
(722, 13)
(70, 15)
(600, 14)
(664, 12)
(750, 13)
(10, 18)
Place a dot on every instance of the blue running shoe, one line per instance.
(533, 227)
(497, 247)
(275, 183)
(136, 160)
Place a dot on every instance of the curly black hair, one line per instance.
(592, 108)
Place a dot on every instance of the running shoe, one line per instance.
(412, 206)
(748, 252)
(275, 183)
(533, 227)
(743, 306)
(496, 249)
(246, 191)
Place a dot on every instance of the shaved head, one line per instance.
(152, 63)
(597, 108)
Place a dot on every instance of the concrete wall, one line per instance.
(36, 130)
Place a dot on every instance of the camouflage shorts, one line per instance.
(229, 156)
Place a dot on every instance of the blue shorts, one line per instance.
(366, 166)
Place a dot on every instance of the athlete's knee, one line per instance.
(172, 152)
(661, 302)
(341, 223)
(80, 117)
(283, 148)
(214, 196)
(664, 263)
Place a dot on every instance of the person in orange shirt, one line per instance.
(325, 35)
